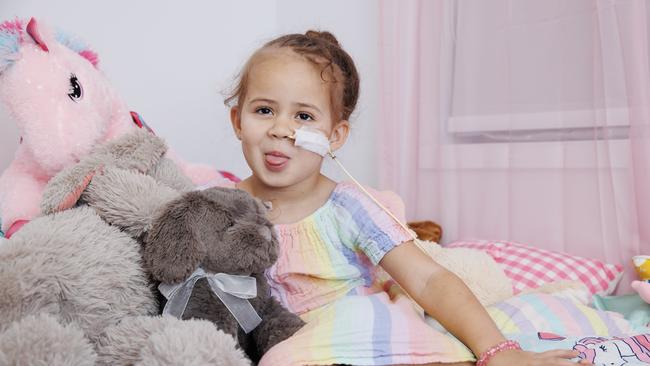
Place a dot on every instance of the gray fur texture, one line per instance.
(125, 181)
(42, 340)
(140, 151)
(192, 342)
(127, 199)
(168, 341)
(75, 267)
(223, 231)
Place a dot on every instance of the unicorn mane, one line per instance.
(77, 45)
(13, 34)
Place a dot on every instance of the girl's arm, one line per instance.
(448, 300)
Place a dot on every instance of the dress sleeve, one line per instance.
(374, 231)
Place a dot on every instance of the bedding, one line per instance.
(542, 322)
(528, 267)
(538, 312)
(631, 306)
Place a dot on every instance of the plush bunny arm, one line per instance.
(169, 174)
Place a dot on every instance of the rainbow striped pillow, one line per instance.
(539, 312)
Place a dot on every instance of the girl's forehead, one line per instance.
(288, 75)
(273, 63)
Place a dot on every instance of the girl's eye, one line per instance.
(263, 110)
(305, 117)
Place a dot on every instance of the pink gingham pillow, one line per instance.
(529, 267)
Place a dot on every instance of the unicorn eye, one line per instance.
(76, 92)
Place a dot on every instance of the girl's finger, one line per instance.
(561, 353)
(559, 362)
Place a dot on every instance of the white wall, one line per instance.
(171, 61)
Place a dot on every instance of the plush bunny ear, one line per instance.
(64, 189)
(137, 150)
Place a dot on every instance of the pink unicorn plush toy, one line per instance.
(63, 106)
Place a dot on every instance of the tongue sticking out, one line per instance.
(276, 160)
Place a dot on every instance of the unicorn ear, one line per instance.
(35, 33)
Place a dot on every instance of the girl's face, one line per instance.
(284, 93)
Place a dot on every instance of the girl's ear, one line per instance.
(339, 135)
(235, 119)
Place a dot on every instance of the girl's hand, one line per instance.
(524, 358)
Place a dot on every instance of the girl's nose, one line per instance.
(281, 129)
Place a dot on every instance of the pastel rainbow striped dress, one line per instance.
(327, 273)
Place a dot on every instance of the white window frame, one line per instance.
(549, 125)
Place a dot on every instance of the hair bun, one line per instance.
(325, 36)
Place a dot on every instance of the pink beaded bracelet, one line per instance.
(503, 346)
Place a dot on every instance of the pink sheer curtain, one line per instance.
(521, 120)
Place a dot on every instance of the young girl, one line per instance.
(336, 244)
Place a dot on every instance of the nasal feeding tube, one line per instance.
(314, 140)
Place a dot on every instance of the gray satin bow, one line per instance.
(234, 291)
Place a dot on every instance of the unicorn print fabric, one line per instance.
(610, 351)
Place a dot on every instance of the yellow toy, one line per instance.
(642, 266)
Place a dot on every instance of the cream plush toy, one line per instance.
(478, 271)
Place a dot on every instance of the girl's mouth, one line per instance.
(275, 161)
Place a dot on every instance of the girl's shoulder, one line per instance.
(352, 197)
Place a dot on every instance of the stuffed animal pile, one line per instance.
(74, 288)
(79, 269)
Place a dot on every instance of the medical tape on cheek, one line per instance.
(312, 140)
